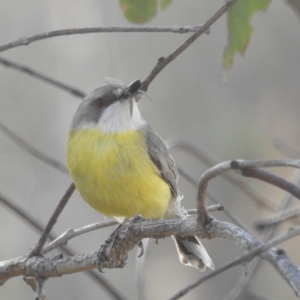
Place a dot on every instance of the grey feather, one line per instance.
(161, 157)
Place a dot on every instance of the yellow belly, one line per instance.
(114, 174)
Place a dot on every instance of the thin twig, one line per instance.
(62, 203)
(248, 169)
(195, 150)
(273, 179)
(71, 233)
(231, 215)
(244, 164)
(277, 218)
(23, 214)
(209, 160)
(240, 286)
(164, 61)
(33, 151)
(29, 71)
(114, 294)
(25, 41)
(246, 257)
(268, 234)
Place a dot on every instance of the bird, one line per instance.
(122, 168)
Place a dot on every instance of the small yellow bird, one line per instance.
(122, 168)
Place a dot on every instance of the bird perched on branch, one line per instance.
(122, 168)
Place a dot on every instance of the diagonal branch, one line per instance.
(291, 277)
(33, 151)
(62, 203)
(40, 76)
(164, 61)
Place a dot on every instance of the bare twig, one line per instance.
(40, 76)
(273, 179)
(209, 160)
(268, 234)
(231, 216)
(248, 169)
(277, 218)
(243, 164)
(33, 151)
(239, 287)
(39, 227)
(71, 233)
(62, 203)
(164, 61)
(246, 257)
(25, 41)
(22, 213)
(196, 151)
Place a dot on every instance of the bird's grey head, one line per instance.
(95, 103)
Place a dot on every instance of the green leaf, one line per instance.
(239, 27)
(139, 11)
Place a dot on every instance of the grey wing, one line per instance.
(161, 157)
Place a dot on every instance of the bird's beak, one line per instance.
(132, 90)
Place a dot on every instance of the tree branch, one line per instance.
(114, 252)
(290, 272)
(71, 233)
(62, 203)
(25, 41)
(267, 235)
(209, 160)
(164, 61)
(248, 169)
(277, 218)
(40, 76)
(33, 151)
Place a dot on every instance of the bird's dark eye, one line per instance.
(99, 102)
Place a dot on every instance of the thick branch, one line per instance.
(113, 254)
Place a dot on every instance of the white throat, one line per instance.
(117, 118)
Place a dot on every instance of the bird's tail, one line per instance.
(192, 253)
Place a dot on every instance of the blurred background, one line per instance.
(237, 115)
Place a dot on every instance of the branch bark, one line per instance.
(113, 252)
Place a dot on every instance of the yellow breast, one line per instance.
(114, 174)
